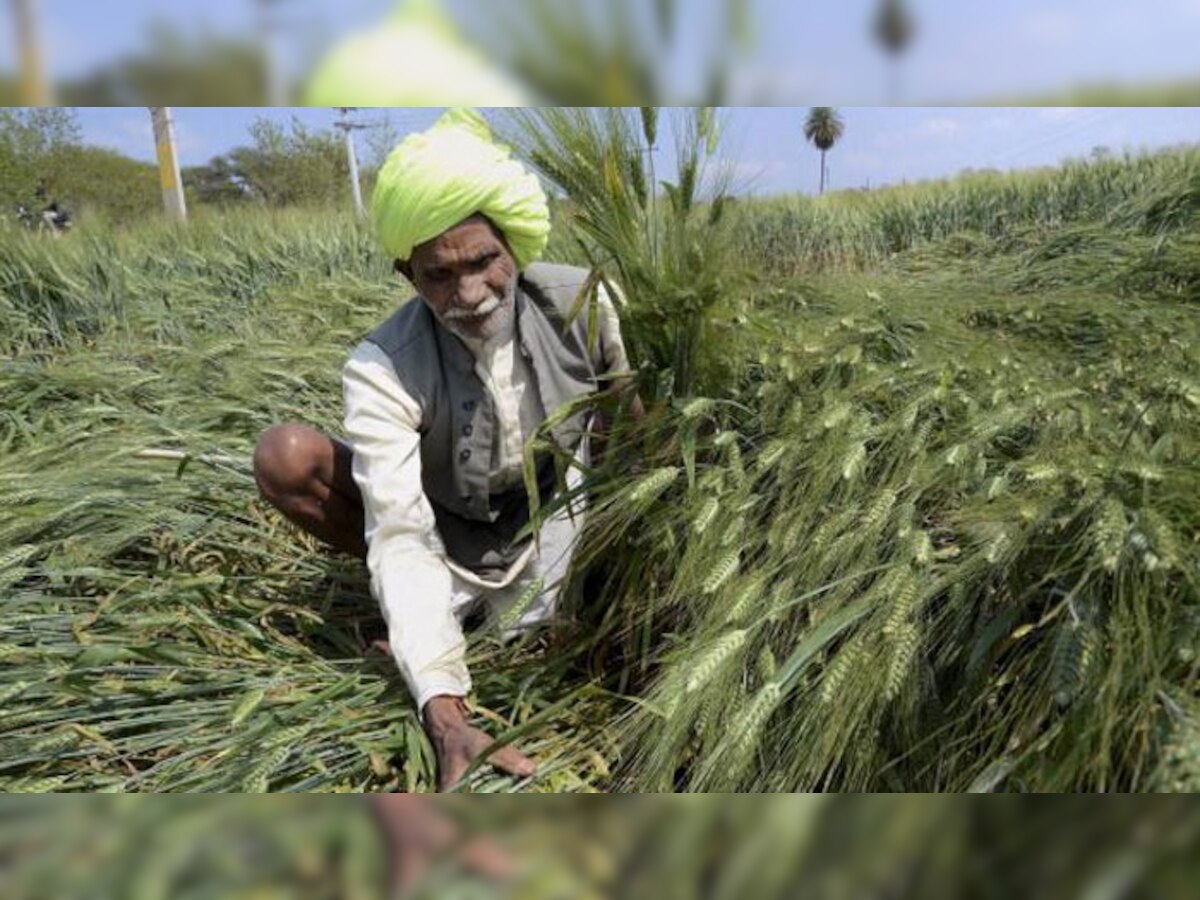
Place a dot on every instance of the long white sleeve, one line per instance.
(409, 576)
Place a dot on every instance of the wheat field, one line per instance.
(915, 505)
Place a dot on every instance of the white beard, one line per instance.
(499, 312)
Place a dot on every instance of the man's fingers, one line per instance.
(486, 857)
(513, 761)
(455, 759)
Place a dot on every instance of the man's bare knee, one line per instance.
(285, 460)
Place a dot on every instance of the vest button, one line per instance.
(464, 456)
(469, 405)
(467, 429)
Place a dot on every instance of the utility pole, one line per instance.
(268, 31)
(168, 163)
(348, 128)
(35, 91)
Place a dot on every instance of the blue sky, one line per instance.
(808, 51)
(764, 144)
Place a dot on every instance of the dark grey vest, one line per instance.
(458, 420)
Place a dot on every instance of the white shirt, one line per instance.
(421, 592)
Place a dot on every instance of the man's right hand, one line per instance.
(457, 744)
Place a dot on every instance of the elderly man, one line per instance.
(439, 402)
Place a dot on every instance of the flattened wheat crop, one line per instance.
(914, 547)
(161, 629)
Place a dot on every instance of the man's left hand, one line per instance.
(458, 744)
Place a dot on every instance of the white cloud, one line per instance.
(918, 134)
(941, 126)
(130, 134)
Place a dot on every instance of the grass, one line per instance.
(1149, 194)
(954, 543)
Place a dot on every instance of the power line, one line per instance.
(1071, 130)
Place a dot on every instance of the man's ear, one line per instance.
(403, 267)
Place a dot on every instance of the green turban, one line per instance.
(416, 57)
(437, 178)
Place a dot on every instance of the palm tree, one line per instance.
(893, 27)
(823, 128)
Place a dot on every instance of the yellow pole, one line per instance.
(168, 163)
(35, 91)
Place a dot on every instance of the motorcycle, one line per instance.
(51, 220)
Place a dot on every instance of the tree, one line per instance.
(894, 28)
(219, 182)
(33, 145)
(103, 182)
(823, 128)
(178, 69)
(37, 131)
(285, 166)
(43, 159)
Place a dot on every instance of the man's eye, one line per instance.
(437, 275)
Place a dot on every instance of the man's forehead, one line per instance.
(469, 237)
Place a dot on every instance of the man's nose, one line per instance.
(472, 290)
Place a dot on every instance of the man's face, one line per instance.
(468, 276)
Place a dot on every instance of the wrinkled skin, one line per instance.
(464, 272)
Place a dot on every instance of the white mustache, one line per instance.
(486, 308)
